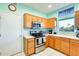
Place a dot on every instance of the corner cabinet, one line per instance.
(77, 19)
(49, 23)
(27, 20)
(49, 42)
(58, 43)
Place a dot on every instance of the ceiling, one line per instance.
(43, 7)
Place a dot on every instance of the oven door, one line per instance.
(39, 42)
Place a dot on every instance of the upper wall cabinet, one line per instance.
(34, 19)
(37, 19)
(49, 23)
(77, 19)
(46, 23)
(28, 20)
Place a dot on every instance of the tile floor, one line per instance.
(46, 52)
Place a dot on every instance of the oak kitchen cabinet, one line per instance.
(49, 23)
(65, 45)
(37, 19)
(50, 41)
(46, 23)
(53, 22)
(68, 46)
(47, 41)
(28, 20)
(74, 47)
(34, 19)
(77, 19)
(58, 43)
(29, 46)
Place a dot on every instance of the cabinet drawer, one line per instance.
(31, 44)
(65, 40)
(74, 41)
(31, 40)
(30, 51)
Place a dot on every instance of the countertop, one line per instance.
(26, 36)
(72, 37)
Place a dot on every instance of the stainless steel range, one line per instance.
(39, 41)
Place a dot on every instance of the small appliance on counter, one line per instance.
(77, 32)
(77, 35)
(50, 31)
(54, 33)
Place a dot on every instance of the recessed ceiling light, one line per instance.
(49, 6)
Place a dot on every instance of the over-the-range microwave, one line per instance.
(36, 25)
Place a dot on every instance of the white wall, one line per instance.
(10, 41)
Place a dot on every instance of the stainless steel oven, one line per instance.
(39, 44)
(39, 41)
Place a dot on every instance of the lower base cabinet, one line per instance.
(47, 41)
(57, 43)
(51, 40)
(74, 47)
(65, 46)
(29, 46)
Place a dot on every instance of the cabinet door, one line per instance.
(47, 41)
(39, 19)
(35, 19)
(28, 20)
(25, 46)
(65, 45)
(51, 42)
(31, 51)
(77, 19)
(44, 25)
(74, 48)
(57, 43)
(52, 22)
(49, 23)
